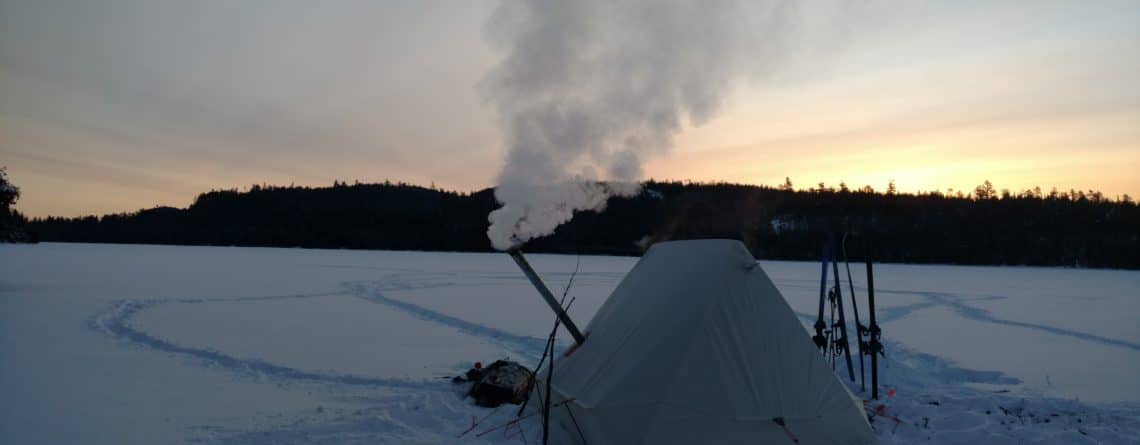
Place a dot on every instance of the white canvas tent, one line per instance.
(696, 345)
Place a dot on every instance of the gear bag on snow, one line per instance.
(500, 382)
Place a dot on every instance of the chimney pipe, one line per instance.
(516, 254)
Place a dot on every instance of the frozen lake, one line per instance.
(159, 344)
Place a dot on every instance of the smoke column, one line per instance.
(589, 89)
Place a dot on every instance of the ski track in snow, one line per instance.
(932, 403)
(957, 303)
(931, 364)
(373, 291)
(116, 323)
(423, 412)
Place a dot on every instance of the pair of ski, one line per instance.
(831, 336)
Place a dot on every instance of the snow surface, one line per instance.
(157, 344)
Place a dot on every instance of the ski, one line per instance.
(840, 327)
(819, 338)
(875, 348)
(860, 330)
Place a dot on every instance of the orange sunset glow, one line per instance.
(119, 112)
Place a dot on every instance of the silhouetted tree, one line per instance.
(9, 193)
(985, 190)
(787, 186)
(11, 221)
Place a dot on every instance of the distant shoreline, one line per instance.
(1072, 230)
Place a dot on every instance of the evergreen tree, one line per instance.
(985, 191)
(11, 222)
(9, 193)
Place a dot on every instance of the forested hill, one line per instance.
(1031, 228)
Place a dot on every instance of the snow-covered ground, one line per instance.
(155, 344)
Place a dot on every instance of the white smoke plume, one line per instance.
(589, 89)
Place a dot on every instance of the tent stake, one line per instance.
(516, 254)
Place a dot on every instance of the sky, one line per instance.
(114, 105)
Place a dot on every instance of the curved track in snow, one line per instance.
(397, 416)
(956, 303)
(116, 323)
(931, 401)
(373, 291)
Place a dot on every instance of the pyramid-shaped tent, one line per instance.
(696, 345)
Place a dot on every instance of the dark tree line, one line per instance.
(11, 221)
(1075, 228)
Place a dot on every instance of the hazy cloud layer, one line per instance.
(116, 105)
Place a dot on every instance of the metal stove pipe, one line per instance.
(516, 254)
